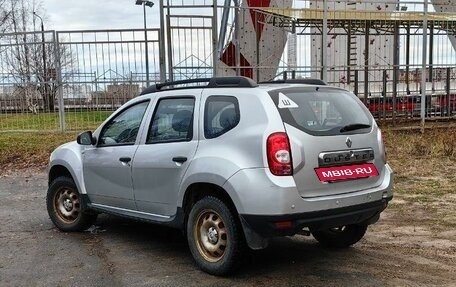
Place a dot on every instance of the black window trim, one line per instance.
(115, 116)
(232, 99)
(155, 111)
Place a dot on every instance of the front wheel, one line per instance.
(65, 206)
(214, 236)
(340, 237)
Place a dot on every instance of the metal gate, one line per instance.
(191, 43)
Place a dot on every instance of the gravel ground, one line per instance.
(401, 250)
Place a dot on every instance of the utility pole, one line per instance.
(150, 4)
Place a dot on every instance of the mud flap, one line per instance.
(253, 239)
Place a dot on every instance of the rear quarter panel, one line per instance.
(244, 147)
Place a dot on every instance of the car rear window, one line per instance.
(322, 111)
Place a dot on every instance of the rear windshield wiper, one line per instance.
(353, 127)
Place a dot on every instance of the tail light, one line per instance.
(279, 154)
(381, 144)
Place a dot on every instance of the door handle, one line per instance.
(180, 159)
(125, 159)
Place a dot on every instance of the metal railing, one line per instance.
(398, 57)
(88, 75)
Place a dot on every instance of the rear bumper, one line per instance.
(257, 192)
(266, 226)
(262, 200)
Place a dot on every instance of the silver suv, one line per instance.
(232, 164)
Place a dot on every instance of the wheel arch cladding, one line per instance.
(58, 171)
(198, 190)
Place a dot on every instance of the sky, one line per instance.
(99, 14)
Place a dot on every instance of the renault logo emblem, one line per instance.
(348, 142)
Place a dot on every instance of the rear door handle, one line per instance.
(125, 159)
(180, 159)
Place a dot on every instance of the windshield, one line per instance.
(322, 111)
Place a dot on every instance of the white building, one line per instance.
(446, 6)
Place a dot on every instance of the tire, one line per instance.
(214, 236)
(65, 206)
(340, 237)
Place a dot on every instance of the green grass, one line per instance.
(25, 150)
(75, 121)
(411, 154)
(31, 149)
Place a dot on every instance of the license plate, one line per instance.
(354, 171)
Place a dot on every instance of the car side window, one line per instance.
(221, 114)
(172, 121)
(123, 129)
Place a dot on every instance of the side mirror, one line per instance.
(86, 138)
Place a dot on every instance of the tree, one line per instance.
(4, 16)
(31, 60)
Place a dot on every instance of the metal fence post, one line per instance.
(236, 41)
(324, 42)
(161, 43)
(447, 91)
(384, 92)
(356, 88)
(59, 82)
(423, 66)
(146, 46)
(214, 38)
(223, 27)
(366, 60)
(169, 43)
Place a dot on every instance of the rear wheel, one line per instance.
(214, 236)
(65, 206)
(340, 237)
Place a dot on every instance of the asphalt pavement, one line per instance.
(121, 252)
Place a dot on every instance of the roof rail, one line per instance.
(216, 82)
(308, 81)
